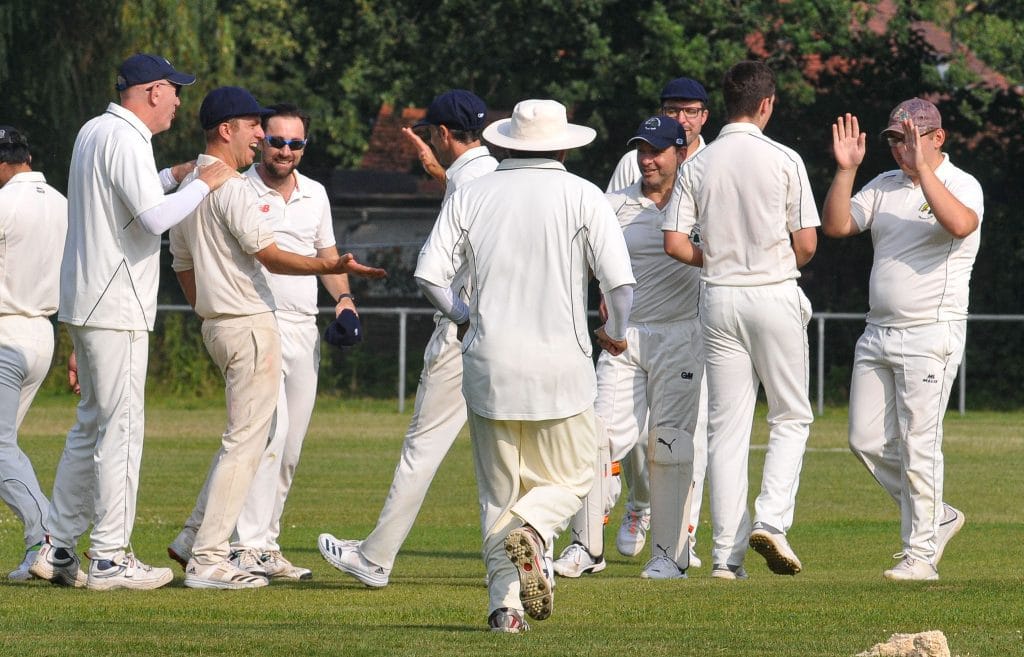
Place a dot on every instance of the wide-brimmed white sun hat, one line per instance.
(538, 125)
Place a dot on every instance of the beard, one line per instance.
(278, 170)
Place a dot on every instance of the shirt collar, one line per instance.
(126, 114)
(27, 177)
(530, 163)
(740, 126)
(466, 158)
(635, 196)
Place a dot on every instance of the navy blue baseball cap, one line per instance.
(142, 68)
(684, 89)
(345, 331)
(660, 132)
(457, 109)
(225, 103)
(11, 135)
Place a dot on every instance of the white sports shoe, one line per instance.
(58, 565)
(180, 548)
(21, 573)
(525, 550)
(662, 567)
(776, 551)
(723, 571)
(222, 575)
(695, 561)
(249, 560)
(633, 532)
(575, 560)
(124, 571)
(277, 567)
(952, 522)
(345, 556)
(911, 569)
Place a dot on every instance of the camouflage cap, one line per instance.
(924, 114)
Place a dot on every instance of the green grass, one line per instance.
(845, 531)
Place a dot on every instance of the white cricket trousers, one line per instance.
(898, 395)
(528, 472)
(437, 419)
(26, 349)
(754, 336)
(656, 383)
(97, 477)
(259, 524)
(247, 351)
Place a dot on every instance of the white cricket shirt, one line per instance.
(748, 193)
(301, 225)
(218, 241)
(111, 266)
(921, 273)
(472, 164)
(33, 222)
(666, 289)
(529, 234)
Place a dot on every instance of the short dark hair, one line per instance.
(288, 110)
(466, 136)
(745, 85)
(13, 146)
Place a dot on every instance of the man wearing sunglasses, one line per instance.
(299, 211)
(925, 220)
(118, 205)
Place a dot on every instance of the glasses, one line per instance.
(688, 112)
(281, 142)
(177, 87)
(896, 140)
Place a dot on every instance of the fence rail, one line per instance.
(819, 318)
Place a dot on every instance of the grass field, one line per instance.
(845, 531)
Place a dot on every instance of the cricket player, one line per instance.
(220, 251)
(118, 207)
(925, 222)
(528, 377)
(686, 101)
(661, 373)
(455, 120)
(753, 201)
(33, 222)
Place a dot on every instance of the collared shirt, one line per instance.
(627, 171)
(748, 193)
(529, 232)
(218, 241)
(302, 225)
(33, 222)
(472, 164)
(921, 273)
(666, 289)
(111, 265)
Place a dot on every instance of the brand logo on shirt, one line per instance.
(686, 376)
(929, 379)
(265, 208)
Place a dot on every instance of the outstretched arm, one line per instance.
(848, 147)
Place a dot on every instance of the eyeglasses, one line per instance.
(281, 142)
(177, 87)
(688, 112)
(896, 140)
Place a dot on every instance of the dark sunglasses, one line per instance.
(280, 142)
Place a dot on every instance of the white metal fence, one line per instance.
(820, 319)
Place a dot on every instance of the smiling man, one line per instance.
(117, 208)
(218, 252)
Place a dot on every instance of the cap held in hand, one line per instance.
(345, 330)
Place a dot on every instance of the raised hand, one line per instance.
(216, 174)
(848, 142)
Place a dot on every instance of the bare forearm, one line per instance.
(680, 247)
(836, 218)
(187, 281)
(959, 220)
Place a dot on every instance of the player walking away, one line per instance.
(528, 375)
(299, 212)
(117, 210)
(660, 374)
(686, 101)
(33, 222)
(455, 120)
(752, 199)
(925, 220)
(218, 252)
